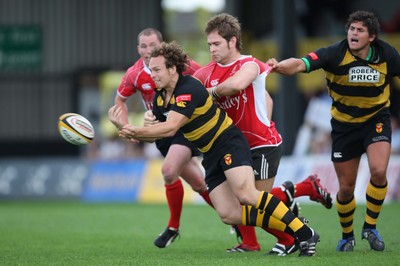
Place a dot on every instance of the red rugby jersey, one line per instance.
(248, 108)
(137, 78)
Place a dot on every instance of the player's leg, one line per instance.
(285, 242)
(311, 186)
(175, 160)
(378, 159)
(287, 193)
(226, 203)
(243, 188)
(246, 235)
(230, 162)
(193, 174)
(240, 184)
(265, 165)
(345, 201)
(191, 171)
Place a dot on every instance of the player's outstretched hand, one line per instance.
(272, 63)
(114, 114)
(149, 119)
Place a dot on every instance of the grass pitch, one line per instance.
(74, 233)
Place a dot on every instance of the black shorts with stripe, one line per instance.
(230, 150)
(351, 141)
(266, 162)
(164, 144)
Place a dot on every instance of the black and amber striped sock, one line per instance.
(346, 211)
(375, 197)
(270, 206)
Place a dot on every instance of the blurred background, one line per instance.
(60, 56)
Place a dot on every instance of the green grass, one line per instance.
(73, 233)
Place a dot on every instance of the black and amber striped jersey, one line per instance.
(359, 88)
(190, 98)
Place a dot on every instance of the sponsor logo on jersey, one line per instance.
(379, 127)
(233, 102)
(228, 159)
(363, 74)
(146, 86)
(313, 56)
(337, 154)
(182, 100)
(380, 138)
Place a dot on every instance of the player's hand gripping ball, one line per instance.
(75, 129)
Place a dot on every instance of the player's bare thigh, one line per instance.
(226, 204)
(347, 177)
(177, 157)
(242, 182)
(193, 174)
(378, 159)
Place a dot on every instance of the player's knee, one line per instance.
(245, 199)
(226, 218)
(197, 184)
(378, 174)
(199, 189)
(169, 174)
(346, 191)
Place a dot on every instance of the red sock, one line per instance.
(277, 192)
(283, 238)
(174, 194)
(206, 197)
(248, 235)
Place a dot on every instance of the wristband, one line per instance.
(214, 93)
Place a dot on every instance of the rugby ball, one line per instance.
(75, 129)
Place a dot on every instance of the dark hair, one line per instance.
(368, 19)
(227, 26)
(148, 32)
(173, 54)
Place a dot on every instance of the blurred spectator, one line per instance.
(314, 135)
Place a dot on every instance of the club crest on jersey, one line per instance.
(363, 74)
(379, 127)
(228, 159)
(214, 82)
(146, 86)
(182, 100)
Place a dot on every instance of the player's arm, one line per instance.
(236, 83)
(287, 67)
(122, 119)
(165, 129)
